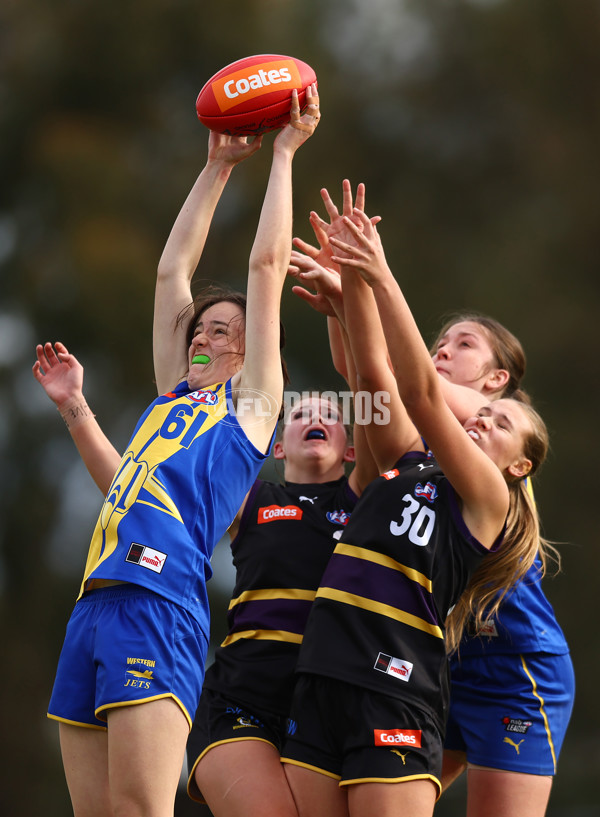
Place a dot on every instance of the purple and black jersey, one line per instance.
(404, 559)
(286, 537)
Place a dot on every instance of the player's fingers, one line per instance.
(306, 248)
(50, 354)
(363, 231)
(312, 97)
(304, 294)
(316, 220)
(40, 351)
(295, 108)
(312, 111)
(360, 197)
(347, 248)
(330, 206)
(346, 197)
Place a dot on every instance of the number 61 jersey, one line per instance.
(186, 471)
(378, 617)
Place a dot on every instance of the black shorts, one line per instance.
(221, 720)
(357, 736)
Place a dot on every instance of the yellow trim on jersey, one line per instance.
(381, 609)
(534, 689)
(264, 635)
(272, 593)
(385, 561)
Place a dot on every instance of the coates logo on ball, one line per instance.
(253, 95)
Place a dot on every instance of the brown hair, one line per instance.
(215, 294)
(507, 349)
(502, 569)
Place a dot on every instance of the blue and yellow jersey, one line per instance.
(182, 479)
(525, 621)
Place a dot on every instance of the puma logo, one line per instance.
(403, 756)
(512, 743)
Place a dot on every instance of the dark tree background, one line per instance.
(475, 125)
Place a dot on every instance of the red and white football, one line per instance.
(253, 95)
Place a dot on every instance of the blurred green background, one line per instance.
(475, 125)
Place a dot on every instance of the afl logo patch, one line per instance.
(206, 397)
(338, 517)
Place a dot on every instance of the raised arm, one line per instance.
(61, 376)
(268, 266)
(475, 477)
(392, 435)
(182, 253)
(463, 401)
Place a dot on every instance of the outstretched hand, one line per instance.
(362, 249)
(323, 254)
(59, 373)
(327, 298)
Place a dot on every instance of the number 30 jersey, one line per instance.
(182, 479)
(405, 557)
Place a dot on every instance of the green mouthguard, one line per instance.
(201, 359)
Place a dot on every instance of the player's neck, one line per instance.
(313, 472)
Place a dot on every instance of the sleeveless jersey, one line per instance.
(182, 479)
(286, 537)
(378, 618)
(524, 623)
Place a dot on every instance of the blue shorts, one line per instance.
(127, 645)
(511, 712)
